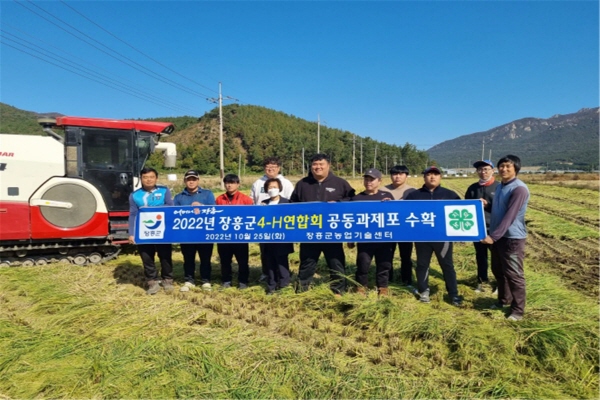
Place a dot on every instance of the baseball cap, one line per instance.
(483, 163)
(191, 173)
(373, 173)
(433, 169)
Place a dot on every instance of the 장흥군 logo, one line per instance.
(151, 224)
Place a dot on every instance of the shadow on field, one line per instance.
(128, 273)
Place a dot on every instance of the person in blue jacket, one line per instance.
(152, 195)
(194, 195)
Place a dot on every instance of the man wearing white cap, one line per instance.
(432, 190)
(484, 189)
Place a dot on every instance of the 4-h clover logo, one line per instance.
(461, 220)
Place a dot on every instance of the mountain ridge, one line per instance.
(561, 139)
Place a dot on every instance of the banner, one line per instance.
(352, 221)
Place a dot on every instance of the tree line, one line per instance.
(253, 133)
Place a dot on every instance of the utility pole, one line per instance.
(303, 171)
(361, 157)
(386, 166)
(375, 158)
(318, 133)
(353, 156)
(490, 157)
(220, 102)
(482, 147)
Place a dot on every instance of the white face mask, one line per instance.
(273, 192)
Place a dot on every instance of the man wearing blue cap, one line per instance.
(484, 190)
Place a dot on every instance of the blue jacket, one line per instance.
(202, 196)
(159, 196)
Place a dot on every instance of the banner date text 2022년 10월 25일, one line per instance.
(354, 221)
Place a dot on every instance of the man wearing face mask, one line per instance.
(276, 254)
(484, 190)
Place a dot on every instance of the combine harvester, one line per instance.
(65, 199)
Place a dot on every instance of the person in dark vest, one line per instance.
(484, 190)
(152, 195)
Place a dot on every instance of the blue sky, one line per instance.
(396, 71)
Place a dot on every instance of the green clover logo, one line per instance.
(461, 220)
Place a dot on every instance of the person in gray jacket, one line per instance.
(508, 235)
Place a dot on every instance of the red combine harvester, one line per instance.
(65, 199)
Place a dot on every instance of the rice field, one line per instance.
(92, 332)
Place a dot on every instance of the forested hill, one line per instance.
(570, 139)
(252, 133)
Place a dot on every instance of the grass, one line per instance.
(79, 332)
(91, 332)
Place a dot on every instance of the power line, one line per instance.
(87, 77)
(133, 48)
(141, 68)
(40, 50)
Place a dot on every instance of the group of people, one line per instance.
(504, 203)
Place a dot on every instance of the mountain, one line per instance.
(570, 139)
(14, 120)
(252, 133)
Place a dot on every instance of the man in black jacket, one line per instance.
(484, 189)
(432, 190)
(322, 185)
